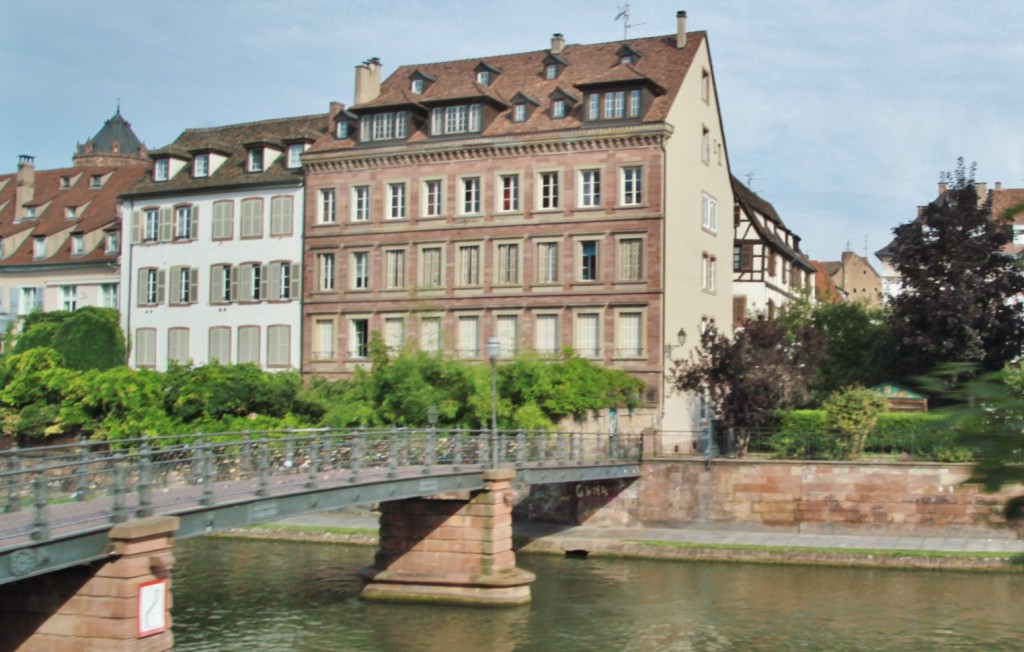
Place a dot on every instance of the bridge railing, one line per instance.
(60, 489)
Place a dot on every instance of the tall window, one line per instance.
(108, 295)
(248, 344)
(251, 221)
(31, 298)
(430, 334)
(151, 229)
(220, 283)
(743, 257)
(547, 262)
(510, 192)
(256, 160)
(394, 333)
(295, 155)
(323, 339)
(470, 195)
(707, 273)
(201, 165)
(251, 282)
(77, 244)
(360, 203)
(396, 269)
(220, 344)
(634, 104)
(432, 198)
(508, 335)
(590, 188)
(283, 281)
(518, 112)
(593, 106)
(508, 264)
(145, 348)
(469, 337)
(183, 227)
(326, 212)
(632, 191)
(630, 259)
(588, 341)
(184, 284)
(223, 222)
(709, 212)
(588, 260)
(551, 71)
(548, 190)
(430, 267)
(161, 170)
(39, 247)
(396, 201)
(614, 104)
(558, 109)
(325, 272)
(361, 270)
(281, 216)
(68, 297)
(629, 334)
(177, 345)
(359, 335)
(151, 286)
(547, 333)
(469, 265)
(279, 345)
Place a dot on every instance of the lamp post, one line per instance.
(432, 416)
(493, 350)
(681, 338)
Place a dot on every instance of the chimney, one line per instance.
(943, 186)
(680, 29)
(25, 185)
(920, 211)
(332, 121)
(999, 185)
(367, 81)
(557, 43)
(982, 189)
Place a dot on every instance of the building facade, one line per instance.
(562, 198)
(768, 268)
(60, 230)
(213, 263)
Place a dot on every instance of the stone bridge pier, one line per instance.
(117, 605)
(450, 548)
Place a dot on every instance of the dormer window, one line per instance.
(558, 109)
(113, 244)
(522, 107)
(383, 126)
(417, 86)
(77, 244)
(519, 112)
(255, 160)
(626, 59)
(484, 78)
(551, 71)
(65, 182)
(39, 248)
(341, 130)
(627, 55)
(70, 212)
(96, 181)
(161, 170)
(295, 155)
(201, 165)
(486, 73)
(30, 213)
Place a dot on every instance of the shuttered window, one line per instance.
(281, 216)
(469, 337)
(588, 344)
(629, 335)
(508, 335)
(251, 223)
(430, 334)
(279, 345)
(220, 344)
(248, 344)
(223, 222)
(177, 345)
(547, 333)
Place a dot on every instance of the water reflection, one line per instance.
(268, 596)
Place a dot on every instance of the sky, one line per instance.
(840, 113)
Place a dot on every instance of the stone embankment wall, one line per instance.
(834, 497)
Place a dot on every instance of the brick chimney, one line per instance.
(557, 43)
(367, 81)
(25, 185)
(680, 29)
(982, 189)
(943, 186)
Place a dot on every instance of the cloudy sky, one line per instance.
(843, 112)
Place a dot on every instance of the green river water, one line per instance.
(256, 596)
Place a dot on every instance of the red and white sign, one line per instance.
(152, 607)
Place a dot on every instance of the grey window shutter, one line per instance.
(14, 300)
(175, 290)
(140, 289)
(193, 285)
(274, 282)
(216, 283)
(234, 284)
(195, 222)
(166, 225)
(245, 283)
(136, 227)
(39, 298)
(264, 283)
(161, 280)
(296, 281)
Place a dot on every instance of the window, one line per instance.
(341, 129)
(201, 166)
(113, 242)
(433, 198)
(518, 112)
(707, 273)
(709, 212)
(323, 339)
(630, 259)
(508, 264)
(483, 77)
(295, 155)
(705, 145)
(705, 86)
(469, 265)
(547, 262)
(469, 337)
(629, 335)
(284, 281)
(430, 334)
(771, 263)
(177, 345)
(593, 106)
(31, 299)
(251, 281)
(65, 182)
(588, 260)
(279, 345)
(548, 191)
(509, 193)
(145, 348)
(547, 334)
(417, 87)
(161, 169)
(325, 272)
(383, 126)
(394, 333)
(39, 247)
(223, 223)
(326, 214)
(220, 284)
(150, 286)
(743, 258)
(96, 181)
(588, 342)
(457, 119)
(430, 267)
(220, 344)
(70, 212)
(77, 244)
(396, 201)
(281, 216)
(614, 105)
(590, 188)
(184, 285)
(248, 344)
(396, 269)
(1018, 234)
(361, 270)
(68, 297)
(360, 204)
(558, 109)
(634, 104)
(251, 220)
(30, 212)
(183, 226)
(551, 71)
(632, 191)
(508, 335)
(108, 295)
(470, 195)
(255, 161)
(359, 335)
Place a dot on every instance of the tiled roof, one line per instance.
(1006, 199)
(96, 208)
(746, 196)
(825, 286)
(752, 202)
(231, 139)
(118, 130)
(662, 67)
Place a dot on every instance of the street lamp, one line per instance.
(493, 350)
(432, 415)
(681, 338)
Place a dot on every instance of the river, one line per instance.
(265, 596)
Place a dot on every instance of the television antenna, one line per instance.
(624, 16)
(751, 178)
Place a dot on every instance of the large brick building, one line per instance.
(566, 197)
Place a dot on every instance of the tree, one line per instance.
(767, 366)
(88, 338)
(959, 299)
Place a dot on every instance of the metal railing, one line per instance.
(55, 490)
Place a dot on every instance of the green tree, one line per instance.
(959, 295)
(853, 413)
(91, 338)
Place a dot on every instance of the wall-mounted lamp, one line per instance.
(681, 338)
